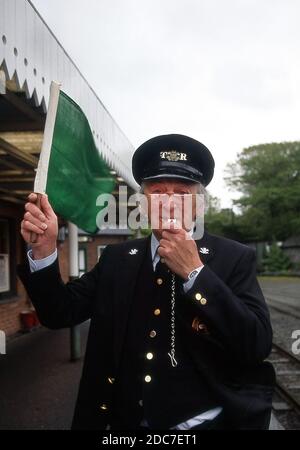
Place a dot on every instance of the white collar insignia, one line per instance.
(204, 250)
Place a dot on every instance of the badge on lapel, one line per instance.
(204, 250)
(133, 251)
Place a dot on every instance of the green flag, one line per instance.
(76, 173)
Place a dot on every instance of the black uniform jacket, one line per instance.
(229, 353)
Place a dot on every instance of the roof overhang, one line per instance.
(30, 58)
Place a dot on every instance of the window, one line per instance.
(100, 249)
(4, 256)
(8, 263)
(82, 263)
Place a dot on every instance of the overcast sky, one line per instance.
(224, 72)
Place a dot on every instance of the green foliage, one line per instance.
(276, 260)
(268, 177)
(146, 231)
(222, 222)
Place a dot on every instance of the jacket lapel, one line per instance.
(130, 263)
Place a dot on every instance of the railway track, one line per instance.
(287, 367)
(284, 305)
(283, 308)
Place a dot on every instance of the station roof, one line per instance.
(30, 58)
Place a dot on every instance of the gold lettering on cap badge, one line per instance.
(173, 156)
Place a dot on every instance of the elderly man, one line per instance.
(179, 327)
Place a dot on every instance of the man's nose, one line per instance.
(170, 202)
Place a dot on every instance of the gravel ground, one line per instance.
(283, 290)
(283, 327)
(283, 298)
(38, 384)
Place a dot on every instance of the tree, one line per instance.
(222, 221)
(276, 260)
(268, 177)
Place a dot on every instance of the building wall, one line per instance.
(91, 252)
(294, 254)
(100, 240)
(10, 311)
(291, 248)
(10, 307)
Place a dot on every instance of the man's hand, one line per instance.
(43, 222)
(179, 251)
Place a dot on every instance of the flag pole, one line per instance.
(40, 181)
(75, 344)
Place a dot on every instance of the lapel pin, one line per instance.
(133, 251)
(204, 250)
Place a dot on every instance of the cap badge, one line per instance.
(173, 156)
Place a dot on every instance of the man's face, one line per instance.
(171, 199)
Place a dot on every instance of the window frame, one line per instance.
(10, 295)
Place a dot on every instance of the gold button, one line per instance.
(152, 333)
(198, 296)
(157, 312)
(111, 380)
(159, 281)
(149, 355)
(203, 301)
(147, 378)
(104, 407)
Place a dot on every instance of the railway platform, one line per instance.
(47, 388)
